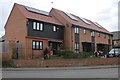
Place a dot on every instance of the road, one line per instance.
(63, 73)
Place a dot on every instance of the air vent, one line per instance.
(37, 11)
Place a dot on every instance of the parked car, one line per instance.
(115, 52)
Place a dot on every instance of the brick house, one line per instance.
(116, 39)
(36, 29)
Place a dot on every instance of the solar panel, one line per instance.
(97, 24)
(37, 11)
(84, 20)
(71, 16)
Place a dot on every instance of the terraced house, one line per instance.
(35, 30)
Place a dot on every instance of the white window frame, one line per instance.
(41, 26)
(37, 45)
(76, 45)
(34, 25)
(33, 44)
(41, 45)
(98, 34)
(93, 33)
(76, 30)
(54, 28)
(38, 26)
(84, 31)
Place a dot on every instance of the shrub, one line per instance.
(86, 54)
(72, 54)
(58, 53)
(69, 54)
(8, 64)
(66, 54)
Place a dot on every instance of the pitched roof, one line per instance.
(36, 16)
(79, 22)
(116, 35)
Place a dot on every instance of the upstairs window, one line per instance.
(109, 37)
(38, 26)
(92, 33)
(54, 28)
(41, 26)
(34, 25)
(104, 35)
(76, 30)
(109, 42)
(98, 34)
(84, 31)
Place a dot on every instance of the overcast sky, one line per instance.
(105, 12)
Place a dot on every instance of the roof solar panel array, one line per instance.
(97, 24)
(37, 11)
(71, 16)
(84, 20)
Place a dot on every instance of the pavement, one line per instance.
(60, 68)
(71, 72)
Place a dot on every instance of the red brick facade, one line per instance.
(16, 30)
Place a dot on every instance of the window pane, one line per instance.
(104, 35)
(77, 46)
(41, 45)
(41, 26)
(76, 30)
(38, 28)
(34, 25)
(92, 33)
(99, 34)
(84, 31)
(108, 36)
(37, 45)
(54, 28)
(33, 44)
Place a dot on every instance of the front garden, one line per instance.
(62, 59)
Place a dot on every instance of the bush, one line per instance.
(69, 54)
(86, 54)
(58, 53)
(8, 64)
(72, 54)
(66, 54)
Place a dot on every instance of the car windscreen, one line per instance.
(117, 51)
(112, 51)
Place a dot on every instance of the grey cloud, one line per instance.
(109, 16)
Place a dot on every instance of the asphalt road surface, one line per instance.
(62, 73)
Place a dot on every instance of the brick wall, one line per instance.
(66, 62)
